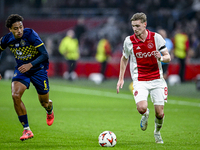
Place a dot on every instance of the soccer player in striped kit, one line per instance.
(32, 64)
(144, 48)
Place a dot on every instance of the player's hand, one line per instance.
(25, 67)
(120, 84)
(157, 55)
(0, 77)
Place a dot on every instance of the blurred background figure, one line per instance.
(169, 45)
(69, 48)
(181, 46)
(80, 28)
(103, 53)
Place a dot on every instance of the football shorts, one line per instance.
(39, 79)
(157, 89)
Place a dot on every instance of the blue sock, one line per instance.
(24, 120)
(49, 111)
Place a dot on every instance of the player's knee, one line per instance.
(141, 109)
(159, 115)
(16, 96)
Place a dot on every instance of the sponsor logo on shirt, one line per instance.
(18, 52)
(145, 55)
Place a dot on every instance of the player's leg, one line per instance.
(41, 83)
(158, 96)
(17, 91)
(159, 119)
(144, 111)
(48, 105)
(140, 95)
(71, 68)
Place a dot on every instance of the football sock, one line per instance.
(24, 120)
(158, 123)
(145, 112)
(49, 110)
(27, 128)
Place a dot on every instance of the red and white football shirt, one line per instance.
(143, 64)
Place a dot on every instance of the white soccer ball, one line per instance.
(107, 139)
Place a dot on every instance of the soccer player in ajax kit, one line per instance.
(32, 64)
(144, 48)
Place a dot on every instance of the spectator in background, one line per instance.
(80, 28)
(103, 54)
(181, 46)
(169, 46)
(69, 48)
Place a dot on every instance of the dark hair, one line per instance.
(12, 19)
(139, 16)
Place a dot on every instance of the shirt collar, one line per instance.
(138, 40)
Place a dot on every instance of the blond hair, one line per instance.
(139, 16)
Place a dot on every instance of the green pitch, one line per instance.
(83, 110)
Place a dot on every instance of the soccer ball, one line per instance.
(107, 139)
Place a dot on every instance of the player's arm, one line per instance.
(43, 56)
(166, 58)
(123, 64)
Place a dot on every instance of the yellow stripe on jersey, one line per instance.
(1, 48)
(39, 45)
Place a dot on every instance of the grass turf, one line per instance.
(83, 110)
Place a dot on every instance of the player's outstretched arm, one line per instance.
(123, 64)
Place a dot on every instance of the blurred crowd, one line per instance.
(170, 15)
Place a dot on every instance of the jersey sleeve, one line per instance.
(160, 43)
(3, 44)
(35, 39)
(127, 46)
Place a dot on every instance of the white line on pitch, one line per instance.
(111, 94)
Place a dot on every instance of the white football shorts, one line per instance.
(156, 88)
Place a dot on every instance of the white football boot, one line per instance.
(144, 120)
(158, 138)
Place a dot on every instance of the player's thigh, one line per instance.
(41, 82)
(158, 96)
(20, 82)
(18, 88)
(140, 91)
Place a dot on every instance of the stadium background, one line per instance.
(84, 109)
(52, 18)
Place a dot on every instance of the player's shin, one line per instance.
(158, 123)
(50, 107)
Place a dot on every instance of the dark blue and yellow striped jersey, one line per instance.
(26, 49)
